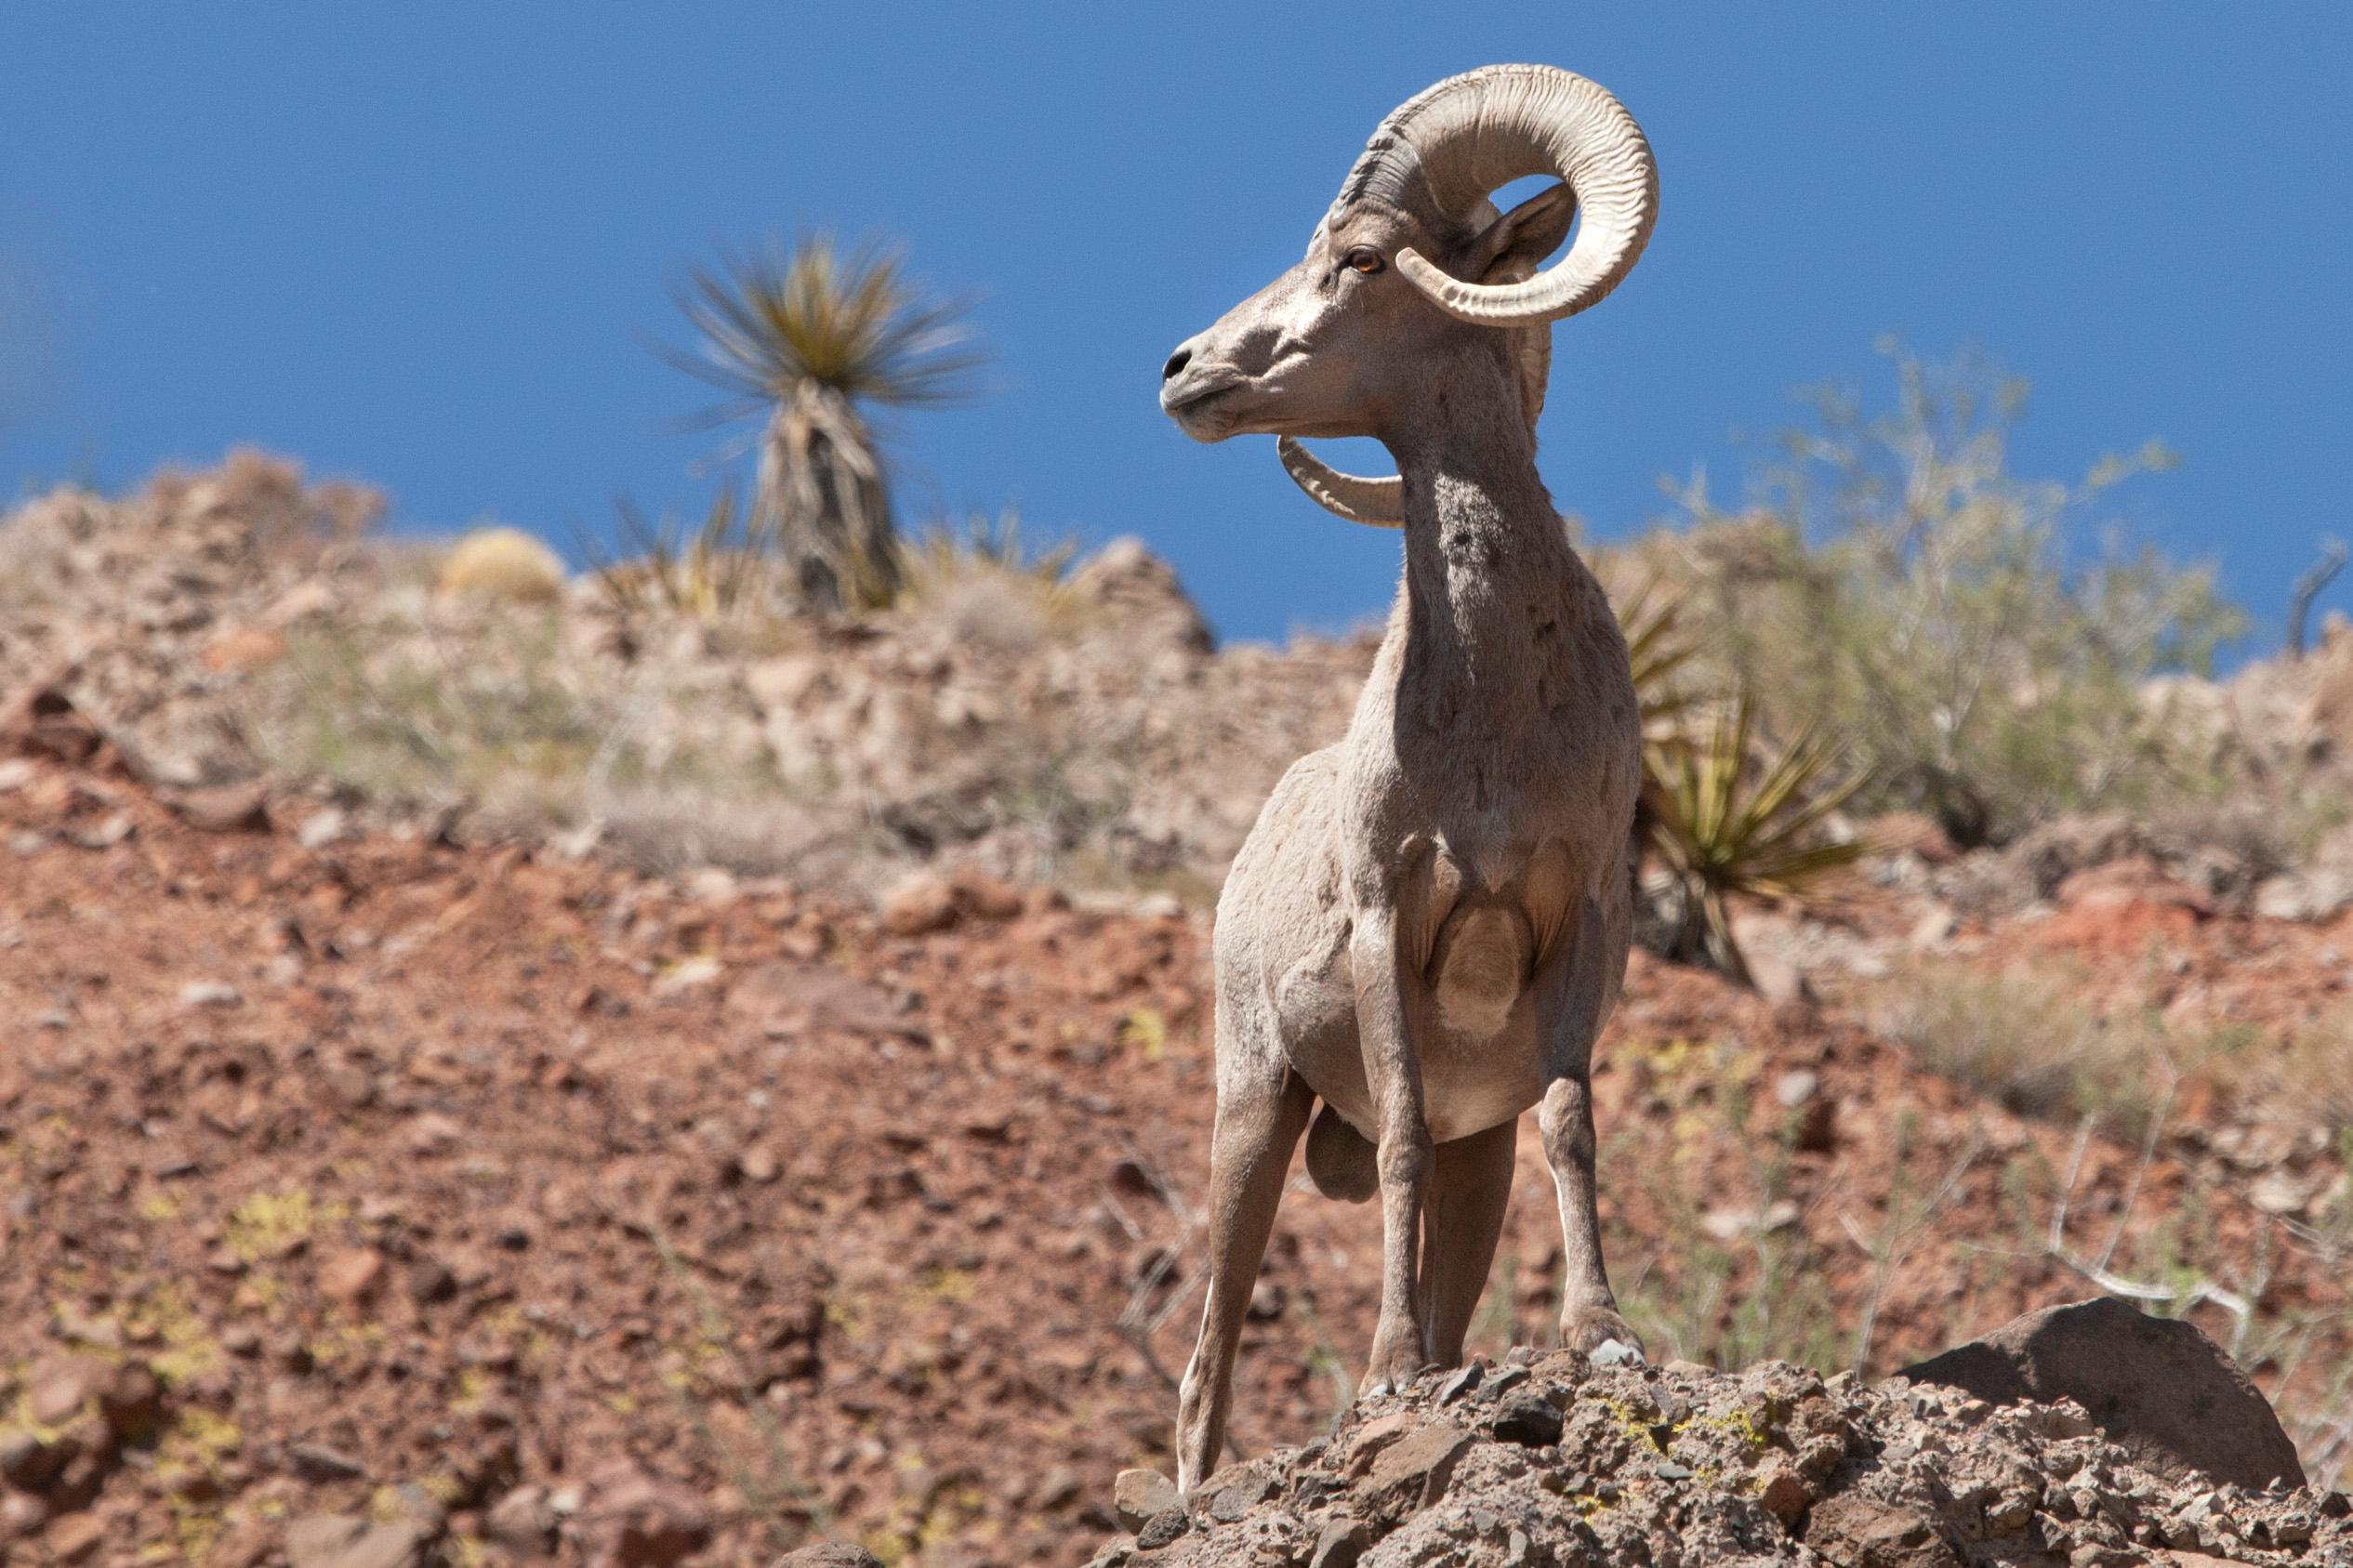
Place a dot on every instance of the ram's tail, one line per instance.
(1342, 1161)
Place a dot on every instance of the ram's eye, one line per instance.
(1364, 259)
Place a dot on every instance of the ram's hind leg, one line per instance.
(1589, 1309)
(1470, 1190)
(1262, 1109)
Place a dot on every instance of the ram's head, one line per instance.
(1413, 264)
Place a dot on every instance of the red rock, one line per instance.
(1864, 1532)
(237, 808)
(985, 896)
(632, 1520)
(74, 1536)
(131, 1400)
(522, 1521)
(351, 1276)
(59, 1386)
(1785, 1495)
(919, 902)
(1414, 1472)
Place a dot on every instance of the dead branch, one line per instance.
(2307, 588)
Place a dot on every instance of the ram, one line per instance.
(1428, 925)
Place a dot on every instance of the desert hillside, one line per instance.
(534, 1070)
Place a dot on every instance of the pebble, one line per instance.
(1140, 1495)
(317, 1463)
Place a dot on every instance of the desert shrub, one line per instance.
(1977, 636)
(503, 563)
(988, 584)
(706, 570)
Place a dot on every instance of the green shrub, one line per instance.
(1970, 633)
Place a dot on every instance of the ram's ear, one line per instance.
(1516, 244)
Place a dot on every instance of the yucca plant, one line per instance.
(809, 343)
(1658, 648)
(704, 570)
(1723, 822)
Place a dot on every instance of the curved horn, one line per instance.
(1472, 134)
(1377, 503)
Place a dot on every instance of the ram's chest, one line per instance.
(1487, 924)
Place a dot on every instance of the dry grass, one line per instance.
(2025, 1037)
(1845, 1269)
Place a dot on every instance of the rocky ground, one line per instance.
(517, 1202)
(1549, 1459)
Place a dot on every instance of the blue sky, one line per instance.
(427, 245)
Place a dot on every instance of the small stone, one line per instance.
(1785, 1495)
(1667, 1469)
(230, 808)
(1502, 1381)
(757, 1164)
(59, 1386)
(1229, 1500)
(431, 1132)
(828, 1554)
(317, 1463)
(322, 828)
(131, 1400)
(26, 1462)
(429, 1280)
(1935, 928)
(632, 1520)
(242, 649)
(211, 993)
(919, 903)
(1615, 1352)
(522, 1521)
(1415, 1472)
(1163, 1528)
(334, 1540)
(1852, 1528)
(351, 1276)
(1795, 1088)
(1340, 1542)
(1462, 1383)
(1779, 981)
(1140, 1495)
(74, 1536)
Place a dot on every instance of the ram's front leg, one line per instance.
(1393, 1073)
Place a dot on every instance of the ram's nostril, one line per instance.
(1177, 362)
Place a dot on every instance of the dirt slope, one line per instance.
(401, 1164)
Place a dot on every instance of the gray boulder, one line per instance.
(2156, 1386)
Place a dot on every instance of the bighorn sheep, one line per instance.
(1428, 925)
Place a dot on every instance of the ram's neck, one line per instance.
(1489, 571)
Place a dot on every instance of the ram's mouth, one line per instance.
(1205, 413)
